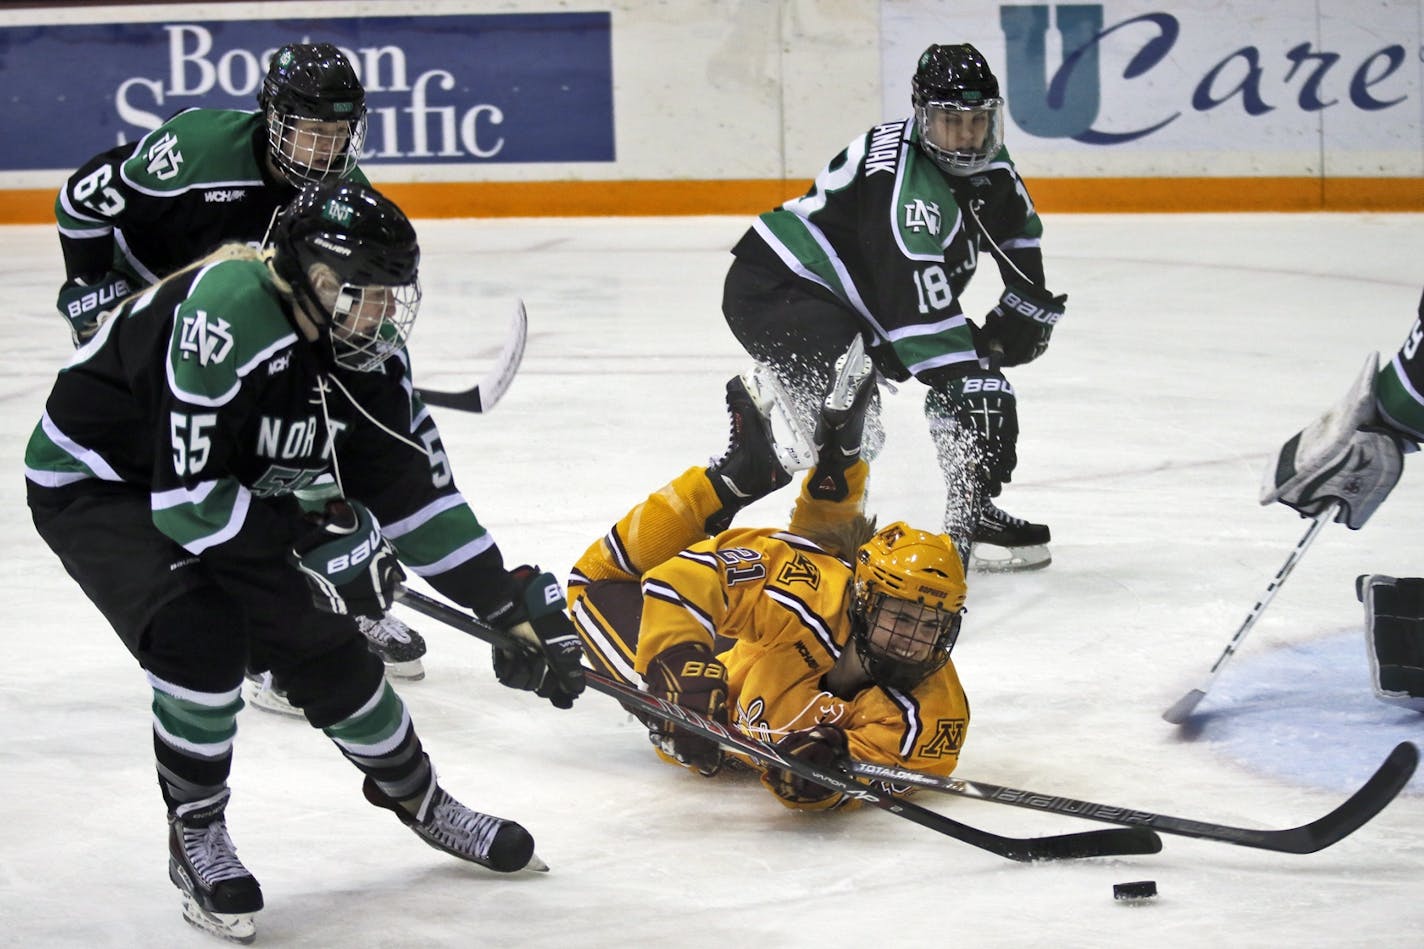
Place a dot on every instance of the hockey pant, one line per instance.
(195, 624)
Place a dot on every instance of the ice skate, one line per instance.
(751, 468)
(260, 693)
(399, 646)
(449, 826)
(219, 895)
(1012, 543)
(840, 428)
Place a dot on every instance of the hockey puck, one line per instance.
(1141, 890)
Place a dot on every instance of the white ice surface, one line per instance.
(1192, 348)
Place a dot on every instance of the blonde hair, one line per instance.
(233, 251)
(842, 538)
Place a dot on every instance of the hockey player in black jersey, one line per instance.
(882, 246)
(205, 177)
(170, 471)
(208, 177)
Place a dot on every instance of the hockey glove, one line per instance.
(550, 666)
(349, 566)
(1019, 325)
(823, 746)
(82, 300)
(688, 674)
(974, 422)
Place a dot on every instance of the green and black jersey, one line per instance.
(148, 208)
(201, 392)
(894, 238)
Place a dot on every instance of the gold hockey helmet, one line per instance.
(909, 598)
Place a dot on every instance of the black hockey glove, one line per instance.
(551, 664)
(823, 746)
(688, 674)
(1019, 325)
(974, 421)
(81, 300)
(349, 566)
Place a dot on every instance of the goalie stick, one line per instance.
(1182, 709)
(1371, 798)
(482, 396)
(1097, 843)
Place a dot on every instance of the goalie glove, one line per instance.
(688, 674)
(825, 747)
(1020, 324)
(349, 566)
(535, 612)
(82, 300)
(1343, 456)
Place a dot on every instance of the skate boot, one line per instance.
(1015, 544)
(750, 468)
(1394, 637)
(446, 824)
(260, 693)
(219, 895)
(840, 429)
(399, 646)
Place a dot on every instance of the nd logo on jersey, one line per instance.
(164, 157)
(948, 736)
(921, 213)
(209, 340)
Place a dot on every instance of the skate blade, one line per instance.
(234, 927)
(987, 558)
(412, 670)
(795, 449)
(263, 699)
(536, 864)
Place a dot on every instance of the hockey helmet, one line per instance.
(315, 108)
(958, 110)
(908, 603)
(352, 256)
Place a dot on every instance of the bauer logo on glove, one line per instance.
(349, 566)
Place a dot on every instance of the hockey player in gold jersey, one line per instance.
(827, 638)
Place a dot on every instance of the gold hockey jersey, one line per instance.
(775, 606)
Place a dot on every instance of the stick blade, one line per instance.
(1182, 709)
(483, 396)
(1112, 842)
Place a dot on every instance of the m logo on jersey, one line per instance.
(164, 157)
(948, 736)
(922, 214)
(800, 570)
(209, 340)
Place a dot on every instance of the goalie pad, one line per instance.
(1338, 457)
(1394, 637)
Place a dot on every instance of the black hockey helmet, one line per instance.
(308, 88)
(954, 83)
(351, 255)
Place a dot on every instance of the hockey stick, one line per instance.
(1371, 798)
(1097, 843)
(483, 395)
(1182, 708)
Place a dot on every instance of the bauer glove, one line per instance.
(823, 746)
(550, 666)
(1019, 325)
(83, 299)
(349, 566)
(974, 421)
(688, 674)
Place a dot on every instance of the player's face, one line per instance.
(958, 130)
(320, 146)
(904, 630)
(362, 310)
